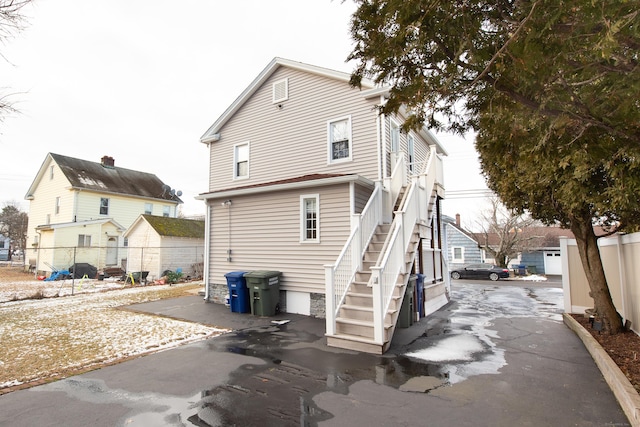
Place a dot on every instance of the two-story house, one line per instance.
(79, 210)
(308, 178)
(462, 246)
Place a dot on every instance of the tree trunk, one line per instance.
(587, 242)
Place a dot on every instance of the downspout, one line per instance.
(382, 154)
(75, 205)
(38, 252)
(207, 249)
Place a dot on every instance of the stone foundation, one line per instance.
(318, 306)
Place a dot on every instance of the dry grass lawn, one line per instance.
(50, 338)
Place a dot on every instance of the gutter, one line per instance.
(261, 189)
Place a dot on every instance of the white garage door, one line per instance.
(552, 263)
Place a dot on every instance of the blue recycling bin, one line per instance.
(420, 294)
(238, 292)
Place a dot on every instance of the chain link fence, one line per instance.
(147, 262)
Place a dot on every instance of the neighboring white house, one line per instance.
(157, 244)
(308, 179)
(79, 210)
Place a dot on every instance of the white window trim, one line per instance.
(86, 240)
(235, 160)
(330, 159)
(286, 90)
(453, 254)
(303, 219)
(108, 206)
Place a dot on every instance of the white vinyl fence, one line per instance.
(621, 259)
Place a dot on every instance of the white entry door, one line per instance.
(112, 251)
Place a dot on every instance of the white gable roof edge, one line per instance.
(78, 223)
(38, 178)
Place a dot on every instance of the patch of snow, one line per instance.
(458, 347)
(91, 182)
(531, 278)
(85, 330)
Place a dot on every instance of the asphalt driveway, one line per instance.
(497, 355)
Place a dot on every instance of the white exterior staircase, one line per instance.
(366, 285)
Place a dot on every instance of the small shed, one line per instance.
(157, 244)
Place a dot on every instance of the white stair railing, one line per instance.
(340, 275)
(392, 260)
(391, 264)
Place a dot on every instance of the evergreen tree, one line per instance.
(550, 85)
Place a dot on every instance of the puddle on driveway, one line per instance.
(456, 343)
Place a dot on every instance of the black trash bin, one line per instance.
(238, 292)
(407, 310)
(264, 292)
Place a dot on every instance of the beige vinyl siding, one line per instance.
(421, 147)
(265, 235)
(362, 195)
(292, 141)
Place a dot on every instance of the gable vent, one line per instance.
(281, 90)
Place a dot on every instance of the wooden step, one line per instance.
(359, 328)
(363, 313)
(356, 343)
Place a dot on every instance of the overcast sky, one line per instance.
(142, 80)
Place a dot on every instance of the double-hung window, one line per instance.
(148, 208)
(310, 218)
(104, 206)
(57, 207)
(166, 211)
(241, 161)
(340, 143)
(457, 253)
(84, 240)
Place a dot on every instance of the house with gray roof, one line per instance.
(87, 205)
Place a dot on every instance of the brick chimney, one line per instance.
(107, 161)
(458, 220)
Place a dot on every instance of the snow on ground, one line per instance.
(51, 337)
(530, 278)
(20, 290)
